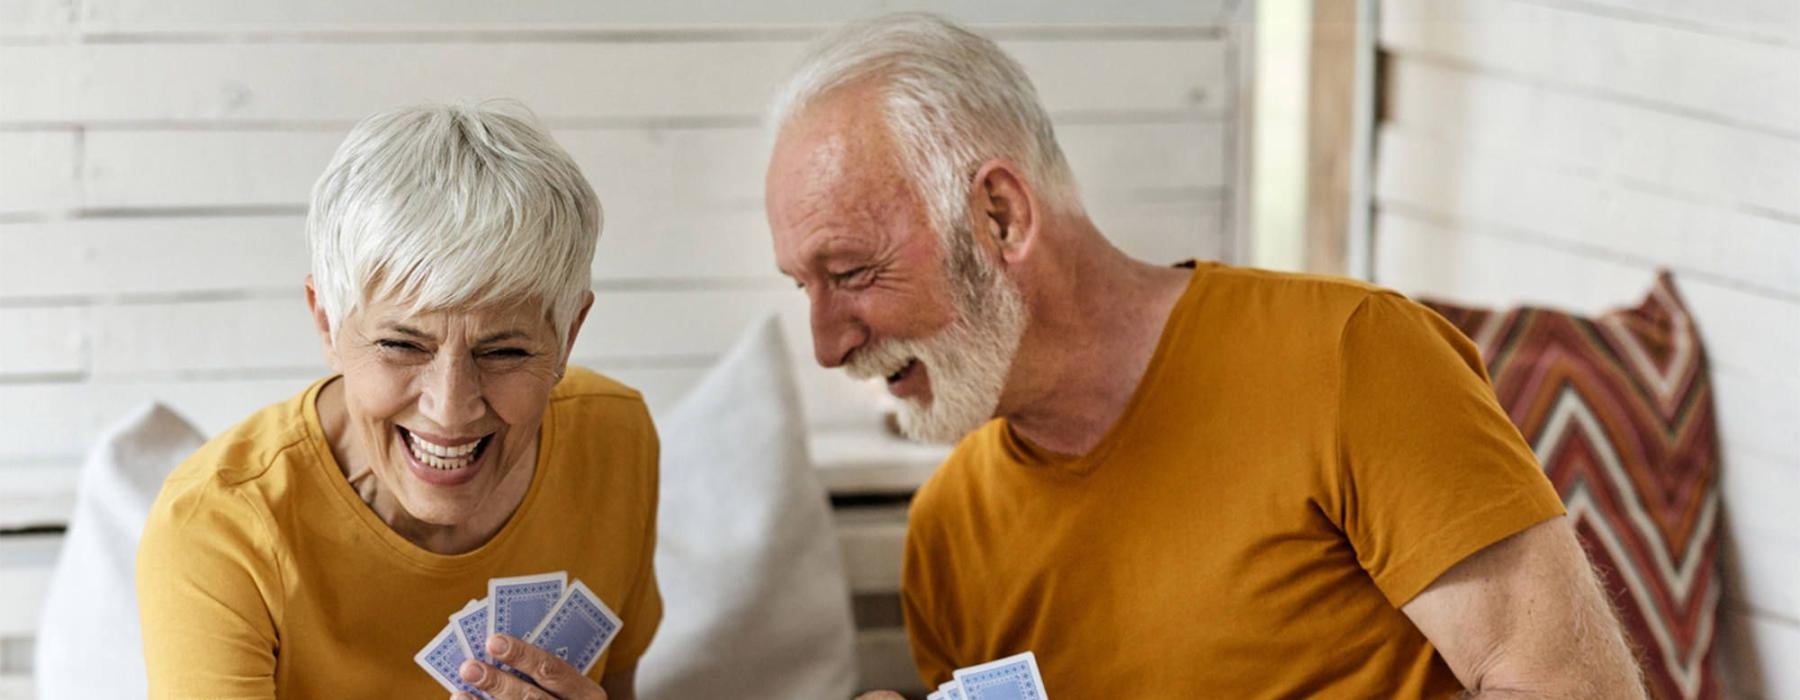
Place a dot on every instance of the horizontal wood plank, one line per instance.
(1762, 544)
(1770, 21)
(1682, 155)
(25, 564)
(43, 342)
(1500, 188)
(1676, 69)
(239, 15)
(339, 82)
(41, 171)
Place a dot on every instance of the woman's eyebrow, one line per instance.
(502, 335)
(404, 329)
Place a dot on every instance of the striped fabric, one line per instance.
(1619, 410)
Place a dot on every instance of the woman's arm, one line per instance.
(203, 578)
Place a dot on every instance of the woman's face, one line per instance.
(444, 406)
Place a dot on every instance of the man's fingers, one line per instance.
(881, 695)
(550, 672)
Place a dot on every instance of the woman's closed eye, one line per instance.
(854, 277)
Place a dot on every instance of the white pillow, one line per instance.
(88, 641)
(756, 601)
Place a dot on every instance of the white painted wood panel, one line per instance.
(42, 342)
(1498, 187)
(38, 495)
(52, 424)
(638, 173)
(1776, 21)
(38, 169)
(25, 564)
(148, 15)
(1762, 546)
(24, 20)
(1750, 83)
(139, 256)
(630, 80)
(1682, 155)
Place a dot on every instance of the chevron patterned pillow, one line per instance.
(1619, 410)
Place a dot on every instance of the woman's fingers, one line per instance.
(545, 669)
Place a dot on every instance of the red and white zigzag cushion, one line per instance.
(1619, 410)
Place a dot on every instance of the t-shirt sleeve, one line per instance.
(205, 574)
(643, 609)
(1431, 470)
(921, 588)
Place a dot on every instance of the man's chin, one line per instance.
(919, 424)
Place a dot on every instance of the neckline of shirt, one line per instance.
(1022, 452)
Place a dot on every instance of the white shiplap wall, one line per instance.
(1559, 152)
(155, 159)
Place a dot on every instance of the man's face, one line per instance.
(888, 300)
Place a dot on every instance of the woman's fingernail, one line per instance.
(472, 671)
(498, 645)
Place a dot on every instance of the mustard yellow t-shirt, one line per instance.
(1302, 457)
(263, 574)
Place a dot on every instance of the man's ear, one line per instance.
(322, 324)
(1005, 209)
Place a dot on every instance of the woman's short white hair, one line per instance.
(443, 207)
(953, 100)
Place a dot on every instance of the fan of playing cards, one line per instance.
(1012, 678)
(546, 611)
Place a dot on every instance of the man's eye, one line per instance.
(849, 275)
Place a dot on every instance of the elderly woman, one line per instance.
(316, 547)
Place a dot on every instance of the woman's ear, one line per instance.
(322, 324)
(587, 304)
(1006, 209)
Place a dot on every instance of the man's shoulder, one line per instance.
(958, 478)
(1304, 295)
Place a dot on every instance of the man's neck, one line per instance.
(1095, 327)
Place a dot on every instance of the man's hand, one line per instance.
(556, 679)
(881, 695)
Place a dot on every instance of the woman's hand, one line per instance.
(556, 679)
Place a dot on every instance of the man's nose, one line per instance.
(835, 331)
(451, 397)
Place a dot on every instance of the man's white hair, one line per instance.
(442, 207)
(952, 100)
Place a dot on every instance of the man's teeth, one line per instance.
(440, 457)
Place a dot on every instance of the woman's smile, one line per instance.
(444, 461)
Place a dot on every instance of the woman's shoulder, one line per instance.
(240, 460)
(583, 387)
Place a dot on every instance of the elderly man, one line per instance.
(1201, 480)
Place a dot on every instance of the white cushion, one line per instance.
(88, 641)
(757, 602)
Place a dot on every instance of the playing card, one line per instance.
(471, 625)
(1012, 678)
(442, 657)
(516, 605)
(952, 690)
(578, 629)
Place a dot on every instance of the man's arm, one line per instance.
(1525, 618)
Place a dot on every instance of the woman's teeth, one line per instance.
(440, 457)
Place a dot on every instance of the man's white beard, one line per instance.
(967, 362)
